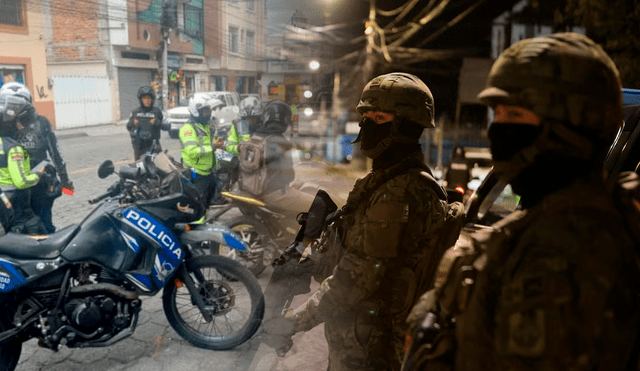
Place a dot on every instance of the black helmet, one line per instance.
(14, 108)
(276, 117)
(146, 90)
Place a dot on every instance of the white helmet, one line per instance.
(199, 109)
(250, 106)
(16, 88)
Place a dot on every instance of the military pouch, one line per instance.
(329, 251)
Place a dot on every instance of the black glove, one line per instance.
(278, 331)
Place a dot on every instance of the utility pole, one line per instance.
(168, 20)
(165, 69)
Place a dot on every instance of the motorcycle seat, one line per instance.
(22, 246)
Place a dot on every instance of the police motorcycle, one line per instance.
(82, 286)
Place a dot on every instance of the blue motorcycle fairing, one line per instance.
(10, 276)
(169, 255)
(213, 232)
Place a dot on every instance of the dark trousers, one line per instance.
(142, 146)
(208, 187)
(24, 220)
(41, 204)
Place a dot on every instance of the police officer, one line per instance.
(241, 131)
(552, 286)
(35, 136)
(198, 147)
(278, 191)
(16, 178)
(145, 123)
(389, 238)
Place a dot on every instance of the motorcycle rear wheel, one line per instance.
(9, 352)
(232, 295)
(256, 235)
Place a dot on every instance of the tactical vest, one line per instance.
(6, 144)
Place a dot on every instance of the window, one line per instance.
(193, 22)
(10, 73)
(11, 13)
(233, 2)
(251, 4)
(240, 84)
(233, 39)
(252, 85)
(219, 83)
(250, 43)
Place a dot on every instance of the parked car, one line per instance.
(480, 163)
(224, 114)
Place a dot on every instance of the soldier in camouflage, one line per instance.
(389, 240)
(554, 285)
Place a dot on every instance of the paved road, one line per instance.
(154, 345)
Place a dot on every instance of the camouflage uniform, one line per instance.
(389, 256)
(553, 286)
(556, 288)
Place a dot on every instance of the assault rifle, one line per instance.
(293, 269)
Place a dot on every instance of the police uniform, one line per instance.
(16, 180)
(198, 153)
(145, 132)
(236, 137)
(38, 139)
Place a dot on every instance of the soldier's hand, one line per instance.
(278, 331)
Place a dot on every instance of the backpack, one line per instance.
(252, 165)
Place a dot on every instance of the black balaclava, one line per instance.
(548, 172)
(372, 134)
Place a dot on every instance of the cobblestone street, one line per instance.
(154, 345)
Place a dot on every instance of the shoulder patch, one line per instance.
(17, 156)
(188, 132)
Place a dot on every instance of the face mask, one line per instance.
(371, 134)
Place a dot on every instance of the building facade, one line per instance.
(85, 61)
(22, 52)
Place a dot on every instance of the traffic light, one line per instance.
(169, 17)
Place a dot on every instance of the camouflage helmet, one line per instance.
(565, 77)
(401, 94)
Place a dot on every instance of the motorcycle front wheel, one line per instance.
(255, 235)
(232, 296)
(9, 352)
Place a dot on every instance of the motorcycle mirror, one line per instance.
(106, 168)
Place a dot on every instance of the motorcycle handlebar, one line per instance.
(99, 198)
(113, 190)
(127, 172)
